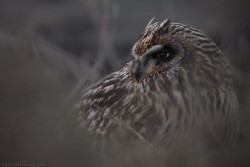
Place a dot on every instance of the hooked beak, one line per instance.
(139, 72)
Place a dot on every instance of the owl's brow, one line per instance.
(154, 49)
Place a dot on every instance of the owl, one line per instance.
(178, 86)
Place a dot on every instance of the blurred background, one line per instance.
(52, 49)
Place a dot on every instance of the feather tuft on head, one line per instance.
(164, 25)
(150, 22)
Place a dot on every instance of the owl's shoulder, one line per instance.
(102, 102)
(107, 90)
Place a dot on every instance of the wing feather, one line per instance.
(109, 104)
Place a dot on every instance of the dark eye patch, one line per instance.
(163, 54)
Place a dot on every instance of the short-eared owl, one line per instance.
(178, 83)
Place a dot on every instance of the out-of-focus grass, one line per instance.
(50, 50)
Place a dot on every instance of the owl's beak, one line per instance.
(139, 73)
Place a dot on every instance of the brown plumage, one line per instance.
(178, 84)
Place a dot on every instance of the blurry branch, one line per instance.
(35, 49)
(104, 15)
(59, 54)
(91, 7)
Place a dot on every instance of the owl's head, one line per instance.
(175, 48)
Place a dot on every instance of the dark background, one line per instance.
(52, 49)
